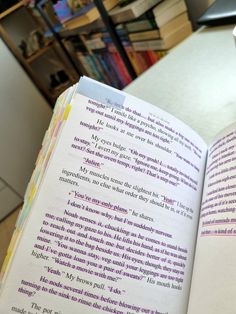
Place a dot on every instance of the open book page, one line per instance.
(113, 226)
(214, 277)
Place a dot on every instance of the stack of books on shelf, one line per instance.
(154, 29)
(148, 29)
(87, 14)
(172, 21)
(140, 61)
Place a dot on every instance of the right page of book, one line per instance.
(214, 276)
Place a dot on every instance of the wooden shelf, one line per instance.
(61, 88)
(39, 53)
(27, 63)
(12, 9)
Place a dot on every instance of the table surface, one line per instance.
(196, 82)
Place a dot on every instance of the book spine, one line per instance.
(157, 44)
(125, 75)
(150, 61)
(139, 60)
(99, 69)
(144, 6)
(103, 67)
(143, 60)
(93, 68)
(134, 12)
(114, 81)
(161, 53)
(86, 65)
(154, 57)
(113, 63)
(142, 25)
(171, 13)
(134, 60)
(121, 66)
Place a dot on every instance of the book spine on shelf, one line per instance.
(133, 59)
(141, 25)
(142, 66)
(108, 67)
(103, 67)
(161, 53)
(124, 74)
(114, 68)
(124, 71)
(86, 65)
(124, 78)
(143, 60)
(146, 58)
(120, 64)
(152, 56)
(98, 67)
(94, 67)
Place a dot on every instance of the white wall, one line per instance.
(24, 118)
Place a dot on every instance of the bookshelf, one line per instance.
(99, 10)
(123, 55)
(12, 9)
(39, 53)
(16, 25)
(109, 43)
(111, 29)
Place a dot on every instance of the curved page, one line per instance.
(214, 277)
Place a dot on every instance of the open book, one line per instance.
(127, 212)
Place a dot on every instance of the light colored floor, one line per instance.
(6, 230)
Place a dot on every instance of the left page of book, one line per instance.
(113, 225)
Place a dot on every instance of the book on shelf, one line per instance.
(101, 63)
(87, 15)
(147, 35)
(141, 25)
(161, 32)
(155, 55)
(132, 10)
(165, 6)
(167, 42)
(62, 10)
(144, 22)
(118, 64)
(124, 200)
(168, 10)
(166, 29)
